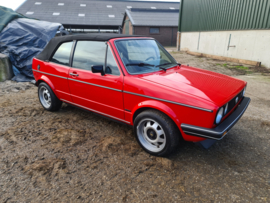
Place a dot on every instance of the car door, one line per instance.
(93, 91)
(57, 70)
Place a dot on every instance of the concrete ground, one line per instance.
(77, 156)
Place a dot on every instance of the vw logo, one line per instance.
(236, 100)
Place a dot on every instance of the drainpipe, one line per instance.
(179, 26)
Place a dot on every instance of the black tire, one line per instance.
(147, 133)
(47, 98)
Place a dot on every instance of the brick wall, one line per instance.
(167, 35)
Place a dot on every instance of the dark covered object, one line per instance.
(55, 42)
(22, 39)
(7, 15)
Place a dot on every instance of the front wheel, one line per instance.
(47, 98)
(156, 133)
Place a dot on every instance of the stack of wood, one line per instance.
(6, 72)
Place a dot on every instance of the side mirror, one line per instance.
(98, 69)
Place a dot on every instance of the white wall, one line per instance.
(251, 45)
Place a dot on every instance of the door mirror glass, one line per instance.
(98, 69)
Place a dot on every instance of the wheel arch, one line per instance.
(158, 106)
(45, 79)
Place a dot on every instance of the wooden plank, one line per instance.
(223, 58)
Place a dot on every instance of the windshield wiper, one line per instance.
(139, 64)
(163, 64)
(159, 66)
(162, 68)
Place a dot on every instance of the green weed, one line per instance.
(225, 65)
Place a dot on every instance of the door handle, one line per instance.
(73, 74)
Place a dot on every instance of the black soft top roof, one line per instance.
(56, 41)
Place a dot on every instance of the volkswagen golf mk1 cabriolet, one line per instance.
(134, 80)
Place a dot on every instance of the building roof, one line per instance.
(56, 41)
(99, 13)
(153, 17)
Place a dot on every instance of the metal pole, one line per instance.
(180, 25)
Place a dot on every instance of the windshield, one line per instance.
(144, 56)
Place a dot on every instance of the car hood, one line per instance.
(211, 86)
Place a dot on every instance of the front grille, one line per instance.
(232, 103)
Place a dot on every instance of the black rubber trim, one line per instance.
(119, 66)
(221, 130)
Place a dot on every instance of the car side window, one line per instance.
(62, 54)
(111, 66)
(89, 53)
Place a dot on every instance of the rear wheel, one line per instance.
(47, 98)
(156, 133)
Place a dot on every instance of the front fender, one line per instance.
(153, 104)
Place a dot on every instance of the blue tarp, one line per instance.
(22, 39)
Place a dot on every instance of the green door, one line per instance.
(127, 27)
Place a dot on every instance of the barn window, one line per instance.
(154, 30)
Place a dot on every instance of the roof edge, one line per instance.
(130, 17)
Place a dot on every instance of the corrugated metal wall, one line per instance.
(208, 15)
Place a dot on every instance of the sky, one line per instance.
(14, 4)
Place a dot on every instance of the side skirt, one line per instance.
(117, 121)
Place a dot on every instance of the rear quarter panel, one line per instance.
(54, 75)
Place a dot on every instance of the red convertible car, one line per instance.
(134, 80)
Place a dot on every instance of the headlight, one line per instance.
(219, 115)
(226, 109)
(244, 91)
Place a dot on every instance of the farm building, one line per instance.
(236, 29)
(88, 15)
(160, 24)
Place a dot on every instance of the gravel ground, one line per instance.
(77, 156)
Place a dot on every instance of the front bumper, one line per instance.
(221, 130)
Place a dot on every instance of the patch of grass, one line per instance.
(176, 52)
(225, 65)
(241, 67)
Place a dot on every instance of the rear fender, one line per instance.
(45, 79)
